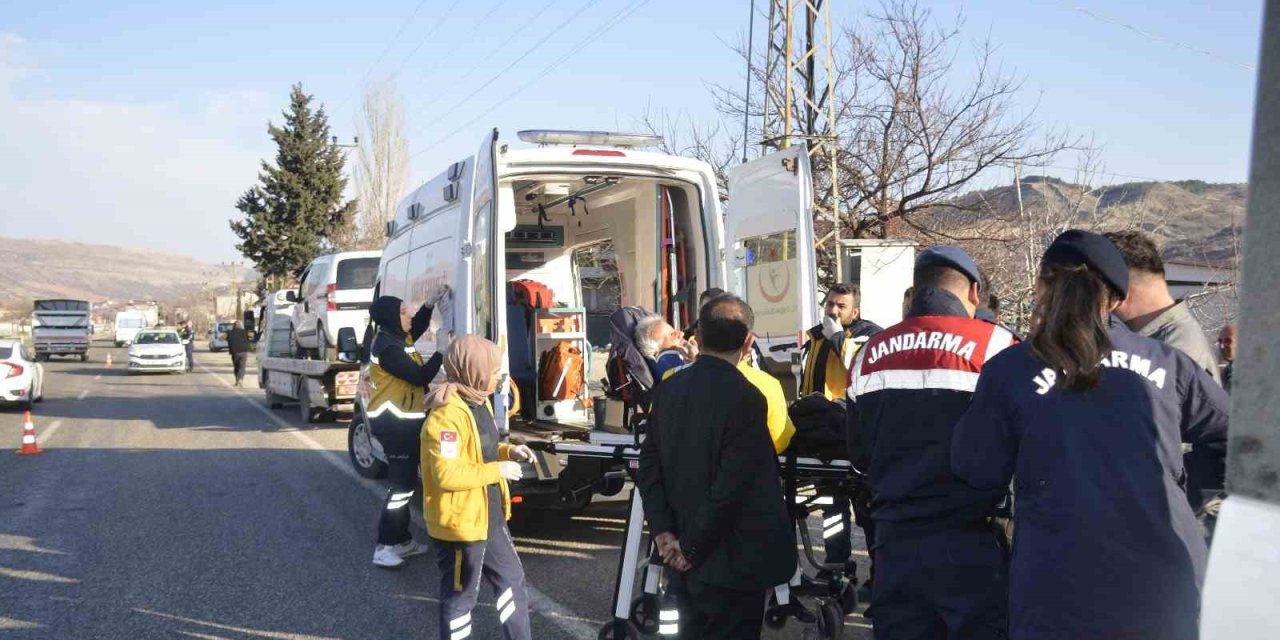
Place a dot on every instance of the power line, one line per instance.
(541, 41)
(452, 50)
(505, 40)
(1155, 38)
(427, 36)
(619, 17)
(391, 43)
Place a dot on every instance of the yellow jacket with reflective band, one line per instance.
(778, 420)
(834, 369)
(455, 475)
(403, 398)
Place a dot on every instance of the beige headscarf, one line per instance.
(469, 367)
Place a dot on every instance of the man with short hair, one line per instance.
(662, 345)
(1227, 347)
(940, 566)
(1150, 310)
(707, 477)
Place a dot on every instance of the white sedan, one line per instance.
(21, 377)
(157, 350)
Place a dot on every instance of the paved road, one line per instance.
(177, 506)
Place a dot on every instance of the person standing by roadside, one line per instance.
(1090, 419)
(188, 335)
(465, 471)
(708, 480)
(238, 346)
(940, 563)
(397, 379)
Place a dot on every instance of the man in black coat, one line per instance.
(238, 346)
(708, 479)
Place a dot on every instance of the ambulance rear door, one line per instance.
(770, 252)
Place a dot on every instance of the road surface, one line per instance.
(178, 506)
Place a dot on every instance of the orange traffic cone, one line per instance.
(29, 446)
(108, 361)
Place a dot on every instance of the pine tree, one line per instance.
(297, 208)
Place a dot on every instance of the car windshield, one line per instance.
(357, 273)
(6, 351)
(157, 338)
(224, 327)
(131, 323)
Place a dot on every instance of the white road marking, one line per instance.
(48, 433)
(98, 377)
(545, 606)
(82, 395)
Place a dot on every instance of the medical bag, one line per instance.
(534, 294)
(561, 372)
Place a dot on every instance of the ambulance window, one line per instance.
(480, 269)
(769, 281)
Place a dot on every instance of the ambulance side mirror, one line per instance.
(348, 348)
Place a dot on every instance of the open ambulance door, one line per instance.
(485, 263)
(770, 252)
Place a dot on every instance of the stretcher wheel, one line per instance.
(607, 632)
(830, 621)
(775, 618)
(644, 614)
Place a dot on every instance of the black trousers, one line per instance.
(403, 452)
(191, 355)
(238, 361)
(951, 585)
(710, 612)
(463, 564)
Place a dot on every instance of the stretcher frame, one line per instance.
(809, 484)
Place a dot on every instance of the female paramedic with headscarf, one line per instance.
(397, 379)
(465, 472)
(1090, 419)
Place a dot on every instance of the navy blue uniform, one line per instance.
(940, 568)
(1106, 545)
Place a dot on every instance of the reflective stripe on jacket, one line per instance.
(395, 405)
(827, 362)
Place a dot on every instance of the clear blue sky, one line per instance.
(139, 123)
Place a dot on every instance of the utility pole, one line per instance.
(799, 100)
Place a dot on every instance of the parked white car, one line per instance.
(21, 377)
(335, 291)
(157, 350)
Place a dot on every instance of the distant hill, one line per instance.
(55, 268)
(1194, 221)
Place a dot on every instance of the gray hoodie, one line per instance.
(1177, 328)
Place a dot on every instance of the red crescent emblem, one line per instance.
(786, 286)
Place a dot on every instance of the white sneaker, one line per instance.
(410, 549)
(386, 557)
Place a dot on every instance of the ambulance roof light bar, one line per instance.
(602, 138)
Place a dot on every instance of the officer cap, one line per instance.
(949, 256)
(1076, 247)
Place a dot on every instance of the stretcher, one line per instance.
(809, 485)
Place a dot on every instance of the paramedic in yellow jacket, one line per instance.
(465, 470)
(397, 378)
(832, 345)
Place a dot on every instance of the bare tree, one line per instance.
(713, 142)
(382, 166)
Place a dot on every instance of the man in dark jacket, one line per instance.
(188, 336)
(940, 570)
(708, 480)
(239, 348)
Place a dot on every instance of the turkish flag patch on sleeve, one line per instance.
(448, 444)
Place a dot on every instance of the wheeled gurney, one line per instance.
(809, 485)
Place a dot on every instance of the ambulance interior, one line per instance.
(598, 243)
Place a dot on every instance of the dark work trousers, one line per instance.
(238, 361)
(710, 612)
(951, 585)
(402, 473)
(191, 355)
(862, 516)
(463, 564)
(839, 546)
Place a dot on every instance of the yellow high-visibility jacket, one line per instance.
(455, 475)
(777, 419)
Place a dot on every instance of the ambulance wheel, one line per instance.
(644, 614)
(774, 618)
(830, 621)
(607, 632)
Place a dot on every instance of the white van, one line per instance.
(335, 291)
(537, 214)
(128, 324)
